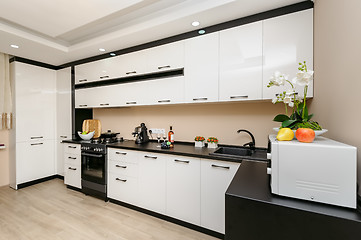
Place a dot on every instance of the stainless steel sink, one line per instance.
(232, 151)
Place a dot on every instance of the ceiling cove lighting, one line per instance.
(14, 46)
(195, 23)
(202, 31)
(102, 49)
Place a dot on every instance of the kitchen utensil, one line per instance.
(91, 125)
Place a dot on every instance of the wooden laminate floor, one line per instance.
(51, 211)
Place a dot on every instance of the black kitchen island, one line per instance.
(252, 212)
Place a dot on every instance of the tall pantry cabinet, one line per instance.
(33, 137)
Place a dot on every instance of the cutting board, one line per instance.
(92, 125)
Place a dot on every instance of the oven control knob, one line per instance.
(96, 149)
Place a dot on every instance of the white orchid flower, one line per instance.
(275, 100)
(291, 104)
(278, 79)
(303, 78)
(287, 100)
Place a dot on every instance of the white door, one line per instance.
(184, 189)
(241, 63)
(287, 40)
(201, 68)
(215, 179)
(131, 64)
(96, 71)
(165, 91)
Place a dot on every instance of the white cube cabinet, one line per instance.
(72, 164)
(240, 63)
(287, 40)
(132, 64)
(183, 195)
(215, 179)
(96, 71)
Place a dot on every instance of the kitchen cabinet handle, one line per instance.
(102, 77)
(36, 137)
(127, 73)
(63, 136)
(181, 161)
(119, 166)
(72, 158)
(122, 153)
(162, 67)
(33, 144)
(131, 103)
(83, 105)
(162, 101)
(277, 94)
(122, 180)
(70, 168)
(218, 166)
(71, 147)
(200, 99)
(104, 104)
(235, 97)
(146, 156)
(83, 80)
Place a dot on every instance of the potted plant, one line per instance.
(299, 117)
(199, 141)
(212, 142)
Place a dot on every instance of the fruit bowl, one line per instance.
(86, 136)
(317, 132)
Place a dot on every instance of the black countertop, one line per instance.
(251, 182)
(183, 149)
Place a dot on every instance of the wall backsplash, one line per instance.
(220, 120)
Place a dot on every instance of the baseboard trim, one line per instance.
(27, 184)
(170, 219)
(74, 188)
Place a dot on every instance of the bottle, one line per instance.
(171, 136)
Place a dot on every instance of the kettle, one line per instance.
(141, 134)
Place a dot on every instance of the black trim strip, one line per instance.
(27, 184)
(144, 77)
(73, 128)
(33, 62)
(170, 219)
(74, 188)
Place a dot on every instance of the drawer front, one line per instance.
(123, 188)
(123, 155)
(123, 168)
(72, 148)
(72, 175)
(72, 159)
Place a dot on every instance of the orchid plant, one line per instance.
(299, 117)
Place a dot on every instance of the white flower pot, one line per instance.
(199, 144)
(212, 145)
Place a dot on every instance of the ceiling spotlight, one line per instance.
(14, 46)
(112, 54)
(195, 23)
(202, 31)
(102, 49)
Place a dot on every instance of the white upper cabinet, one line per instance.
(166, 57)
(287, 40)
(241, 63)
(131, 64)
(165, 90)
(96, 71)
(201, 68)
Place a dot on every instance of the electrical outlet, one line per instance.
(156, 130)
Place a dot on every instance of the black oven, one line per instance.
(94, 170)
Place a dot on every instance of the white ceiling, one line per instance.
(61, 31)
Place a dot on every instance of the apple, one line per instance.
(84, 133)
(306, 135)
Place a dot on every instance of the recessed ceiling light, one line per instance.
(202, 31)
(112, 54)
(195, 23)
(14, 46)
(102, 49)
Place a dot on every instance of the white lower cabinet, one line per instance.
(72, 165)
(183, 195)
(215, 179)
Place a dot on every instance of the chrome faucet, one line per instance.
(252, 145)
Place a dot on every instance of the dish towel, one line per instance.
(6, 115)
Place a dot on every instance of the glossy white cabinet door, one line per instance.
(241, 63)
(35, 102)
(96, 71)
(166, 57)
(123, 188)
(184, 189)
(84, 98)
(63, 114)
(72, 175)
(152, 182)
(287, 40)
(201, 69)
(165, 91)
(34, 160)
(215, 179)
(131, 64)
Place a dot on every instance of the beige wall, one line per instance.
(337, 85)
(4, 158)
(221, 120)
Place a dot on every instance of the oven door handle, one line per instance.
(92, 155)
